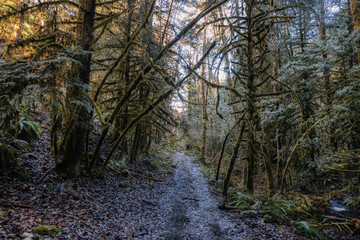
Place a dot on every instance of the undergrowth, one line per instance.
(155, 160)
(276, 209)
(294, 209)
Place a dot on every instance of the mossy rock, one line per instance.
(269, 219)
(47, 230)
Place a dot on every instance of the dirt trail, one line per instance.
(191, 211)
(194, 212)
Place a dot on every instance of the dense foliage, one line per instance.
(267, 92)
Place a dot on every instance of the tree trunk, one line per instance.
(248, 178)
(124, 116)
(355, 11)
(203, 103)
(232, 160)
(279, 162)
(141, 134)
(326, 75)
(77, 115)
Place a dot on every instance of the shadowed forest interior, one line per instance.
(105, 102)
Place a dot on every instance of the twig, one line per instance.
(42, 178)
(21, 206)
(148, 202)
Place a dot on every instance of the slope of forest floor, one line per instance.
(138, 206)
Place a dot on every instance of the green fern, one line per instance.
(27, 126)
(245, 203)
(22, 143)
(278, 209)
(309, 230)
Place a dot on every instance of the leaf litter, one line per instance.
(179, 206)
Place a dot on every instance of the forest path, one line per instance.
(192, 210)
(179, 206)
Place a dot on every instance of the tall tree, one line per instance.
(77, 108)
(203, 104)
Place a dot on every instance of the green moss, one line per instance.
(75, 186)
(47, 230)
(62, 175)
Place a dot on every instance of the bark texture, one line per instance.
(76, 111)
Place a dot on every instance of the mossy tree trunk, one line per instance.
(232, 161)
(328, 85)
(307, 98)
(122, 119)
(203, 105)
(253, 77)
(355, 11)
(250, 105)
(142, 132)
(278, 130)
(77, 114)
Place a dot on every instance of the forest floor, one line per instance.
(179, 206)
(157, 199)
